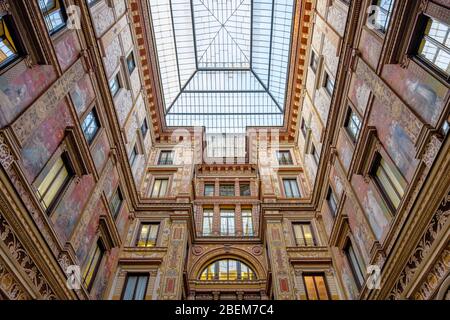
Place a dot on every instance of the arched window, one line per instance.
(228, 270)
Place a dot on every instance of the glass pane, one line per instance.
(310, 288)
(141, 288)
(309, 241)
(223, 270)
(321, 288)
(387, 187)
(56, 186)
(232, 270)
(145, 228)
(130, 287)
(151, 242)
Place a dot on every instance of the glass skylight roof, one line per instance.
(223, 63)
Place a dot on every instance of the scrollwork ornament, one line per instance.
(6, 156)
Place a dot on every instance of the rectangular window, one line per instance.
(147, 236)
(291, 189)
(116, 203)
(303, 128)
(284, 157)
(54, 13)
(93, 264)
(314, 64)
(331, 200)
(303, 234)
(209, 190)
(55, 182)
(133, 155)
(131, 63)
(352, 124)
(316, 287)
(9, 43)
(434, 47)
(114, 85)
(357, 270)
(160, 187)
(382, 15)
(208, 215)
(244, 190)
(135, 287)
(329, 84)
(227, 222)
(226, 190)
(144, 128)
(166, 158)
(90, 126)
(247, 223)
(315, 154)
(389, 182)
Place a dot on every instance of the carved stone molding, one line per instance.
(422, 250)
(24, 261)
(6, 156)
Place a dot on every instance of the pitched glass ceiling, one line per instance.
(223, 63)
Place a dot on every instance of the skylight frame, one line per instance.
(168, 109)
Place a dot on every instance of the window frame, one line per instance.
(332, 201)
(282, 160)
(17, 43)
(417, 37)
(139, 233)
(59, 195)
(314, 61)
(209, 214)
(354, 136)
(314, 275)
(231, 216)
(116, 79)
(383, 30)
(376, 163)
(213, 189)
(138, 275)
(242, 193)
(359, 282)
(144, 128)
(160, 178)
(55, 31)
(96, 119)
(223, 185)
(102, 248)
(328, 79)
(216, 273)
(127, 62)
(295, 179)
(115, 211)
(250, 217)
(313, 237)
(169, 159)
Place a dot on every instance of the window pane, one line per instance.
(227, 270)
(54, 182)
(142, 240)
(321, 287)
(8, 42)
(209, 190)
(247, 223)
(141, 288)
(227, 190)
(54, 14)
(207, 222)
(245, 190)
(129, 288)
(310, 288)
